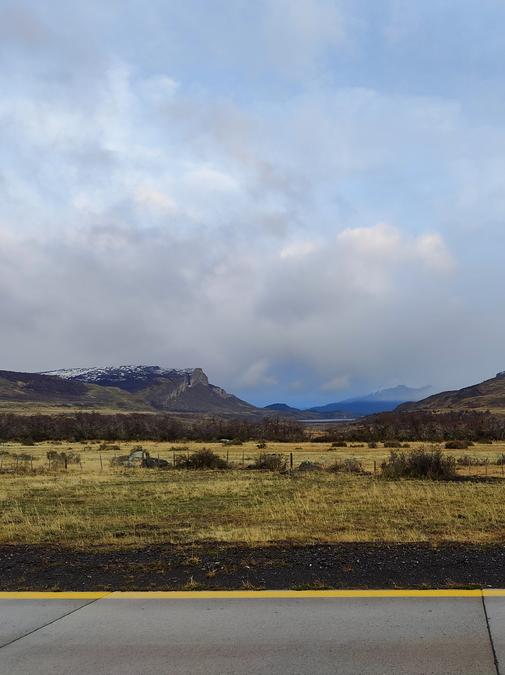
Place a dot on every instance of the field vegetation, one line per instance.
(250, 496)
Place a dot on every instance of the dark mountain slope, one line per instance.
(488, 395)
(141, 388)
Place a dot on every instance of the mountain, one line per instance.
(488, 395)
(282, 408)
(127, 388)
(383, 400)
(399, 393)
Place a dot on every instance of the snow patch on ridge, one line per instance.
(115, 372)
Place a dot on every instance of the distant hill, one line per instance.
(358, 408)
(282, 408)
(383, 400)
(126, 388)
(488, 395)
(399, 393)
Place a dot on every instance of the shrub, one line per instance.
(113, 447)
(372, 444)
(457, 445)
(261, 445)
(347, 465)
(392, 444)
(201, 459)
(28, 441)
(420, 463)
(270, 462)
(306, 465)
(469, 460)
(24, 458)
(339, 444)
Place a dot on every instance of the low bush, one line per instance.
(469, 460)
(372, 444)
(458, 445)
(113, 447)
(392, 444)
(347, 465)
(270, 461)
(420, 463)
(261, 445)
(500, 460)
(63, 458)
(201, 459)
(306, 465)
(339, 444)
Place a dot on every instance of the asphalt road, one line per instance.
(193, 634)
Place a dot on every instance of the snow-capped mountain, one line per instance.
(158, 387)
(127, 388)
(129, 377)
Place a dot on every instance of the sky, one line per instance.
(306, 198)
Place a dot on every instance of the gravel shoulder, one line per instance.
(213, 566)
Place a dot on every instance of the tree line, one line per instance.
(138, 426)
(422, 426)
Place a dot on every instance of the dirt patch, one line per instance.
(275, 567)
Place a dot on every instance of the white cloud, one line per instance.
(152, 198)
(336, 383)
(298, 249)
(238, 197)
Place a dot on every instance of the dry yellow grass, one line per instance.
(90, 506)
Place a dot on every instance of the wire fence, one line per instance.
(340, 459)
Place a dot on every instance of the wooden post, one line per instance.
(101, 463)
(227, 456)
(173, 458)
(243, 459)
(486, 468)
(374, 467)
(291, 461)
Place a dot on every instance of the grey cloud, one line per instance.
(172, 193)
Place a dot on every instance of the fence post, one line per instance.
(291, 461)
(243, 458)
(227, 456)
(101, 463)
(173, 458)
(374, 467)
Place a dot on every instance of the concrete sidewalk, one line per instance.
(217, 633)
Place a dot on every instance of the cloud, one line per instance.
(336, 383)
(251, 188)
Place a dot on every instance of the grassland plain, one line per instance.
(94, 505)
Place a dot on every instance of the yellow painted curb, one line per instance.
(493, 593)
(223, 595)
(217, 595)
(53, 595)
